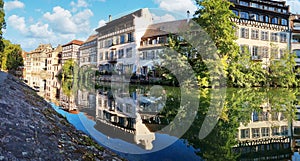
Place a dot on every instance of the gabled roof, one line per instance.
(164, 28)
(76, 42)
(91, 38)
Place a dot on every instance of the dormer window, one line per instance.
(255, 5)
(254, 16)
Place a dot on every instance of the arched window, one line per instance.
(274, 20)
(266, 19)
(244, 15)
(235, 12)
(284, 22)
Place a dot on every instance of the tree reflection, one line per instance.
(239, 107)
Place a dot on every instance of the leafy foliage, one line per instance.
(68, 68)
(2, 26)
(11, 56)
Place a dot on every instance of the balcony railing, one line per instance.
(112, 60)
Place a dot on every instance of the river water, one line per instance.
(146, 122)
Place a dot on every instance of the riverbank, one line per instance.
(30, 129)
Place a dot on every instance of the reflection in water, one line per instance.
(118, 118)
(255, 124)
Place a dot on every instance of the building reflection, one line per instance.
(132, 116)
(121, 116)
(269, 135)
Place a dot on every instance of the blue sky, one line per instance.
(32, 22)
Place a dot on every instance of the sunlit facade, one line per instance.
(70, 51)
(262, 28)
(119, 40)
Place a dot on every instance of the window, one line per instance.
(106, 56)
(254, 16)
(243, 3)
(297, 52)
(255, 56)
(275, 131)
(244, 49)
(128, 52)
(265, 35)
(265, 132)
(281, 52)
(162, 40)
(120, 53)
(283, 37)
(244, 15)
(255, 133)
(265, 52)
(284, 130)
(274, 53)
(235, 12)
(254, 34)
(284, 22)
(245, 33)
(122, 39)
(100, 56)
(255, 5)
(274, 37)
(272, 8)
(275, 116)
(130, 37)
(274, 20)
(284, 11)
(245, 133)
(264, 18)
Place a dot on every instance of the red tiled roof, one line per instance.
(76, 42)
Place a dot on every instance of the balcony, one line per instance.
(112, 60)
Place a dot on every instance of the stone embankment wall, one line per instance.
(31, 130)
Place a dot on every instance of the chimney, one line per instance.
(109, 18)
(188, 15)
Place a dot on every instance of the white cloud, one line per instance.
(163, 18)
(61, 20)
(177, 5)
(40, 30)
(101, 23)
(64, 22)
(17, 23)
(10, 5)
(82, 22)
(79, 4)
(294, 5)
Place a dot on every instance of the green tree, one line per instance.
(2, 26)
(243, 72)
(214, 16)
(281, 71)
(11, 56)
(68, 68)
